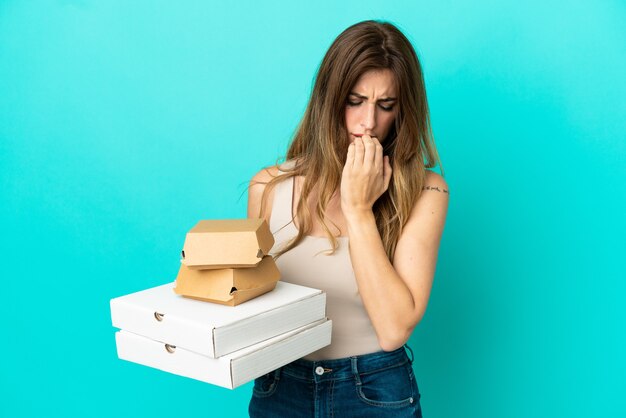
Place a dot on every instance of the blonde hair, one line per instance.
(321, 141)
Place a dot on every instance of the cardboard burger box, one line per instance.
(214, 244)
(232, 370)
(215, 330)
(228, 286)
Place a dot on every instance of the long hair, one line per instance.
(320, 144)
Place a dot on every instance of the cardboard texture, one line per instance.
(212, 329)
(231, 286)
(232, 370)
(213, 244)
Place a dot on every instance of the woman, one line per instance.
(355, 212)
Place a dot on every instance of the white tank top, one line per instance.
(308, 265)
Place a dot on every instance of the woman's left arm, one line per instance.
(395, 294)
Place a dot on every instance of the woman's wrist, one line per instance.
(356, 218)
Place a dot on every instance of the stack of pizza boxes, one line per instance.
(227, 319)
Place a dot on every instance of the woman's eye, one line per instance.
(382, 106)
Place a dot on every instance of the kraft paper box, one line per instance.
(215, 330)
(213, 244)
(231, 286)
(229, 371)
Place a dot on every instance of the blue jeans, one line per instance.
(377, 385)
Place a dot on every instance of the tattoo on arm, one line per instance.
(441, 190)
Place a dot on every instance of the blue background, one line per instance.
(124, 123)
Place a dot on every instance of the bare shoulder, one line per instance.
(255, 193)
(429, 212)
(436, 183)
(433, 201)
(264, 175)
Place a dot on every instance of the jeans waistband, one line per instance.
(345, 368)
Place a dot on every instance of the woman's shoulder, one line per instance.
(256, 189)
(432, 204)
(436, 182)
(266, 174)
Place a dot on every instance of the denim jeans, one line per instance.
(377, 385)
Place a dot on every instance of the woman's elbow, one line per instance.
(395, 337)
(394, 340)
(389, 345)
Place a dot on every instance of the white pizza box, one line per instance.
(213, 329)
(231, 370)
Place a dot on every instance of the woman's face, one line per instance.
(372, 105)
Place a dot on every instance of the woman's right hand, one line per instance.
(365, 176)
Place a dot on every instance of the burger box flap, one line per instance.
(215, 330)
(231, 286)
(227, 243)
(233, 369)
(240, 296)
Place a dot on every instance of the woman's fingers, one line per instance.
(369, 155)
(378, 157)
(367, 172)
(350, 156)
(365, 156)
(359, 152)
(386, 171)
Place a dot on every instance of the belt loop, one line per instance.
(277, 373)
(410, 351)
(355, 371)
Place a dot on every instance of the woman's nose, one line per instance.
(369, 117)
